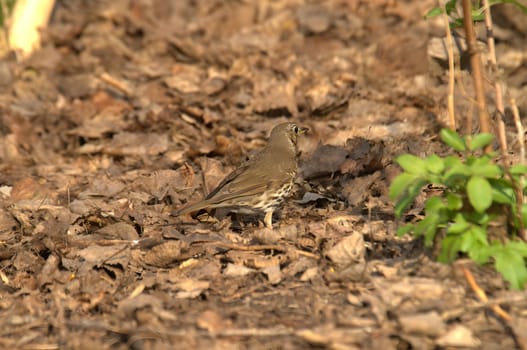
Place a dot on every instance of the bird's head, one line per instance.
(286, 134)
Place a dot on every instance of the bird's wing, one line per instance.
(237, 185)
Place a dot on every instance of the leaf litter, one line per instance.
(132, 109)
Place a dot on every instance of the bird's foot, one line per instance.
(268, 219)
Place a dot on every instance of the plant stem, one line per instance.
(475, 64)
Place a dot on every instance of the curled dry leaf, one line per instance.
(96, 256)
(348, 251)
(211, 321)
(102, 187)
(49, 269)
(137, 144)
(237, 270)
(165, 254)
(191, 288)
(128, 306)
(309, 274)
(459, 337)
(269, 236)
(273, 273)
(429, 324)
(120, 230)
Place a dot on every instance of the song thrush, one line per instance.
(261, 184)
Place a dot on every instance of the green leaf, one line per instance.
(474, 217)
(479, 193)
(413, 191)
(427, 228)
(450, 6)
(400, 184)
(434, 164)
(481, 255)
(458, 22)
(503, 195)
(480, 140)
(452, 139)
(486, 170)
(449, 248)
(436, 11)
(408, 198)
(402, 230)
(511, 264)
(524, 214)
(434, 204)
(452, 161)
(459, 226)
(431, 230)
(411, 164)
(474, 239)
(402, 204)
(454, 201)
(518, 246)
(518, 169)
(455, 174)
(477, 16)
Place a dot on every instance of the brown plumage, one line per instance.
(260, 184)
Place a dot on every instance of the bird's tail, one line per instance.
(191, 208)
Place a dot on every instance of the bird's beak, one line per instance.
(302, 130)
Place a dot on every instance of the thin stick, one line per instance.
(507, 319)
(475, 63)
(451, 73)
(497, 84)
(519, 188)
(29, 17)
(265, 247)
(480, 293)
(519, 128)
(116, 83)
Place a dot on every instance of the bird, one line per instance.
(260, 184)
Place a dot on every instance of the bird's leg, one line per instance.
(268, 219)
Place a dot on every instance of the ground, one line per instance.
(132, 109)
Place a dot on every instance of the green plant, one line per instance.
(450, 8)
(6, 7)
(476, 192)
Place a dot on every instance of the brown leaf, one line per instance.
(190, 288)
(165, 253)
(429, 324)
(97, 256)
(459, 336)
(211, 321)
(120, 230)
(348, 251)
(237, 270)
(137, 144)
(102, 187)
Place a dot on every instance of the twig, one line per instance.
(519, 128)
(480, 293)
(475, 64)
(265, 247)
(451, 73)
(506, 300)
(119, 85)
(502, 314)
(497, 83)
(500, 114)
(28, 18)
(147, 332)
(519, 190)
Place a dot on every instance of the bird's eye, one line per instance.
(295, 129)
